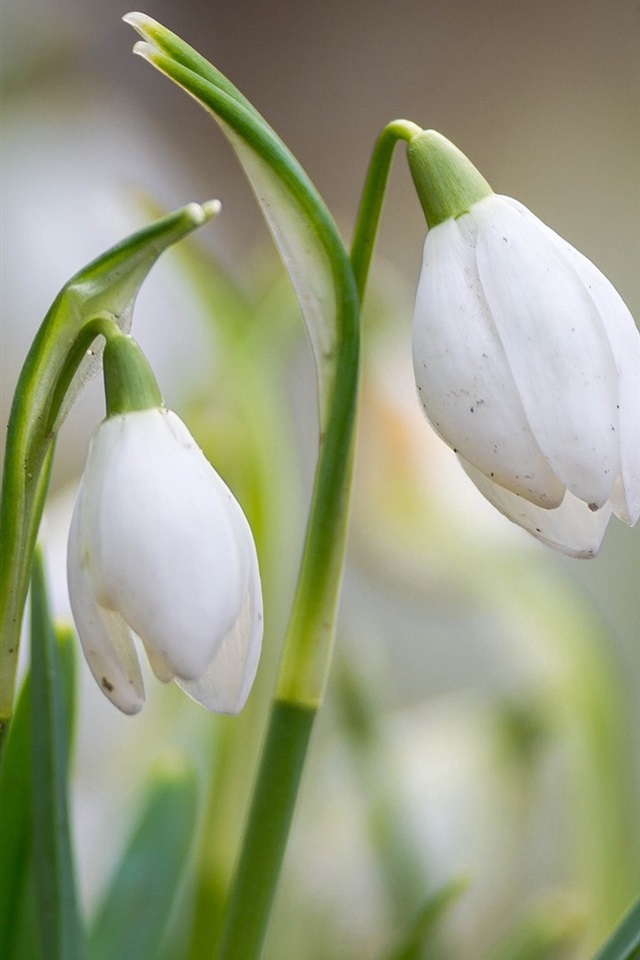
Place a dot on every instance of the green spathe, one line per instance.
(129, 382)
(447, 182)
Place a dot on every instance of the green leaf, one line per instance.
(135, 913)
(60, 930)
(552, 927)
(15, 799)
(302, 228)
(17, 896)
(624, 942)
(46, 390)
(423, 931)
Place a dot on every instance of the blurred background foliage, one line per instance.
(481, 726)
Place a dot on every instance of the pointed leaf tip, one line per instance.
(211, 208)
(140, 21)
(142, 48)
(199, 213)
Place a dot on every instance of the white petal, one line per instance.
(106, 640)
(464, 381)
(161, 669)
(624, 338)
(556, 347)
(167, 556)
(571, 528)
(226, 684)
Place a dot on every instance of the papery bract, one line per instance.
(160, 547)
(527, 363)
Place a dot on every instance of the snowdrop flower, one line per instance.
(159, 547)
(526, 359)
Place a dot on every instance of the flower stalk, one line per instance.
(368, 218)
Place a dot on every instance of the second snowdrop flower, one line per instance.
(526, 359)
(159, 547)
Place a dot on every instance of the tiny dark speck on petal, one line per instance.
(470, 409)
(108, 686)
(593, 507)
(538, 530)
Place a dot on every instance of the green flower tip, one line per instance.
(129, 382)
(447, 182)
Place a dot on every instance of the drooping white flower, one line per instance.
(527, 363)
(160, 547)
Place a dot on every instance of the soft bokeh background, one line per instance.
(542, 97)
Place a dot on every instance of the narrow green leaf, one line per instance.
(66, 647)
(422, 934)
(26, 946)
(61, 936)
(546, 933)
(624, 942)
(46, 390)
(302, 227)
(17, 892)
(15, 800)
(135, 913)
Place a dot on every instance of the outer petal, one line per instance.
(226, 684)
(556, 347)
(466, 386)
(166, 552)
(106, 639)
(571, 528)
(624, 338)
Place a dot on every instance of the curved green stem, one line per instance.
(308, 645)
(366, 229)
(306, 656)
(29, 454)
(103, 325)
(267, 831)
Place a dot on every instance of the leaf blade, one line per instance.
(15, 797)
(302, 228)
(423, 932)
(132, 919)
(624, 942)
(61, 934)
